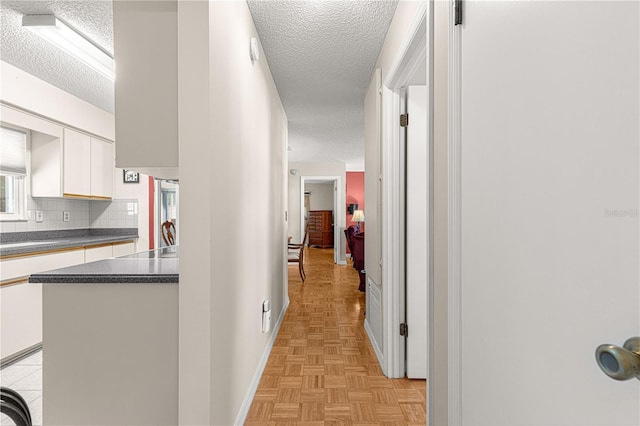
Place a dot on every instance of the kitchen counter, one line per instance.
(111, 341)
(155, 266)
(24, 243)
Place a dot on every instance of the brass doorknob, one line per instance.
(620, 363)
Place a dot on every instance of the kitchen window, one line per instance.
(13, 174)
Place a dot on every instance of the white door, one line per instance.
(549, 210)
(417, 231)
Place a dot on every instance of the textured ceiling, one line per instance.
(321, 55)
(27, 51)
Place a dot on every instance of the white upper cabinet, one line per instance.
(76, 164)
(146, 88)
(66, 162)
(102, 166)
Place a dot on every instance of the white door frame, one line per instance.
(339, 213)
(454, 237)
(416, 47)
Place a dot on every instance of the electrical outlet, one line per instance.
(266, 316)
(39, 216)
(66, 216)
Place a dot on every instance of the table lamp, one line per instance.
(358, 216)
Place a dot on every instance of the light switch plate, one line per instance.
(39, 216)
(66, 216)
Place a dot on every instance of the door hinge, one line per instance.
(404, 120)
(404, 329)
(458, 12)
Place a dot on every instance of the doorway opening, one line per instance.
(166, 217)
(320, 209)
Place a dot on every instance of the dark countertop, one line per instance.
(155, 266)
(13, 243)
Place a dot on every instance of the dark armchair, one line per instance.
(349, 233)
(358, 258)
(355, 241)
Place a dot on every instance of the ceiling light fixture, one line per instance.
(71, 41)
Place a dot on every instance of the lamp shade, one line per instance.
(358, 216)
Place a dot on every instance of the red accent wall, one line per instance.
(152, 206)
(355, 195)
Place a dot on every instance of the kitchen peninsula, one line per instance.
(110, 341)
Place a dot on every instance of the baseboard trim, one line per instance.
(11, 359)
(255, 381)
(374, 344)
(342, 262)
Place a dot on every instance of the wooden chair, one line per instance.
(295, 254)
(167, 235)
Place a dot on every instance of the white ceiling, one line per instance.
(27, 51)
(321, 55)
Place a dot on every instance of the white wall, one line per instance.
(32, 94)
(140, 192)
(233, 138)
(315, 169)
(195, 143)
(321, 197)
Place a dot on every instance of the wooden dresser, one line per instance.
(321, 228)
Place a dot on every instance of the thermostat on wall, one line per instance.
(254, 50)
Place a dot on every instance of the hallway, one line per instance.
(322, 369)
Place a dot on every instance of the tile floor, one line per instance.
(25, 377)
(322, 369)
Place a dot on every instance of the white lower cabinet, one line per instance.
(20, 318)
(123, 249)
(23, 266)
(21, 302)
(92, 254)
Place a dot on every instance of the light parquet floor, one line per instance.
(323, 370)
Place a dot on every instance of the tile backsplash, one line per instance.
(83, 214)
(113, 214)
